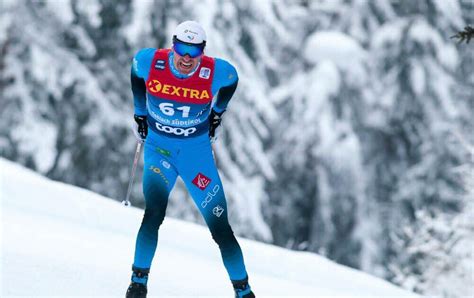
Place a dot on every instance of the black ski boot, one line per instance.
(242, 288)
(138, 288)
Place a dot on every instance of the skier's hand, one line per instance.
(142, 126)
(215, 119)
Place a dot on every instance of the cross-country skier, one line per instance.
(173, 92)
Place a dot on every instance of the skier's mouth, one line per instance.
(185, 65)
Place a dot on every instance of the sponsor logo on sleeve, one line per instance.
(201, 181)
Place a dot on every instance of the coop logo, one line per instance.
(210, 195)
(155, 86)
(176, 130)
(201, 181)
(217, 211)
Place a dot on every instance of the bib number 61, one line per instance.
(168, 109)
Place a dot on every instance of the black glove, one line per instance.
(142, 127)
(215, 119)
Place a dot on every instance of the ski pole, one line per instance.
(126, 202)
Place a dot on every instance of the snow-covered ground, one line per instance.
(60, 240)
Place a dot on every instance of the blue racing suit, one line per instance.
(177, 108)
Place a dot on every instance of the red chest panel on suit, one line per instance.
(195, 89)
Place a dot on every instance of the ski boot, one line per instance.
(138, 288)
(242, 288)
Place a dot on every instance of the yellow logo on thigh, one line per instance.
(159, 172)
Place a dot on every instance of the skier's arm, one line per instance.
(224, 96)
(226, 80)
(138, 90)
(139, 102)
(138, 75)
(139, 72)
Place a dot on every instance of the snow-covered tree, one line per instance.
(438, 246)
(342, 132)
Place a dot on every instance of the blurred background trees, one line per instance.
(345, 136)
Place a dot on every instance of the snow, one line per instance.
(140, 17)
(5, 23)
(62, 10)
(388, 34)
(228, 10)
(37, 134)
(67, 241)
(264, 10)
(418, 79)
(45, 136)
(450, 10)
(334, 46)
(342, 50)
(422, 32)
(91, 9)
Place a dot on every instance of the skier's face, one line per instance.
(185, 64)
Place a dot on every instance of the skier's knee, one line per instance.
(154, 217)
(222, 234)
